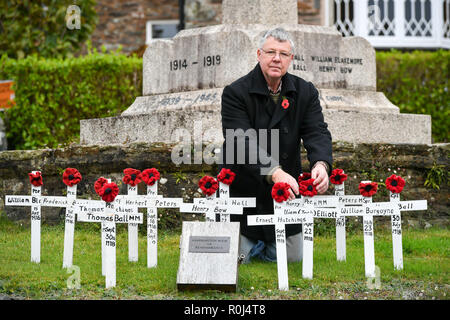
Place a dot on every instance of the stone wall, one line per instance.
(123, 22)
(361, 162)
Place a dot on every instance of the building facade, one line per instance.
(132, 24)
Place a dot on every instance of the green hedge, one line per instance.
(52, 95)
(45, 27)
(418, 82)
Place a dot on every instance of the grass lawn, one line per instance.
(425, 274)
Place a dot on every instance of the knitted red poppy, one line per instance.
(36, 179)
(368, 189)
(109, 192)
(285, 103)
(71, 177)
(304, 176)
(338, 176)
(395, 184)
(307, 188)
(226, 176)
(208, 185)
(98, 185)
(280, 191)
(132, 176)
(150, 176)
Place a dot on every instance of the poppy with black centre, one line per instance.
(132, 177)
(368, 189)
(395, 183)
(150, 176)
(109, 192)
(36, 179)
(71, 177)
(98, 185)
(208, 185)
(280, 191)
(226, 176)
(307, 188)
(338, 176)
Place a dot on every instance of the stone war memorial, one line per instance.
(183, 81)
(184, 78)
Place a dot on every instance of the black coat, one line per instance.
(246, 104)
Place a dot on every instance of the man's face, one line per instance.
(274, 58)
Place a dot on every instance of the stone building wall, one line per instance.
(123, 22)
(361, 162)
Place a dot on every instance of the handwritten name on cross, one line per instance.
(31, 201)
(363, 206)
(36, 201)
(314, 207)
(152, 221)
(151, 201)
(396, 224)
(225, 200)
(210, 206)
(108, 214)
(298, 211)
(393, 209)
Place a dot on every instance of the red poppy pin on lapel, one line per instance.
(285, 103)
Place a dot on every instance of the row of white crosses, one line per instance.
(112, 209)
(224, 205)
(303, 210)
(124, 209)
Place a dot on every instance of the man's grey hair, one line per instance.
(279, 34)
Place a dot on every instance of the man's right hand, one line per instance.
(281, 176)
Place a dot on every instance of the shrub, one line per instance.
(418, 82)
(52, 95)
(40, 27)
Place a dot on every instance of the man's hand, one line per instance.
(320, 176)
(281, 176)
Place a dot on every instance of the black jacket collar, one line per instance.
(259, 85)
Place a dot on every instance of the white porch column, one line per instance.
(360, 18)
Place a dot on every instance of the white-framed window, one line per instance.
(161, 29)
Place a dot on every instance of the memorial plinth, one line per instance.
(209, 256)
(183, 79)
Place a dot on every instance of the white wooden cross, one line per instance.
(104, 212)
(396, 224)
(108, 214)
(151, 201)
(227, 201)
(152, 220)
(393, 209)
(132, 202)
(133, 251)
(69, 226)
(211, 205)
(298, 211)
(33, 202)
(278, 219)
(363, 206)
(36, 201)
(341, 253)
(323, 207)
(356, 206)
